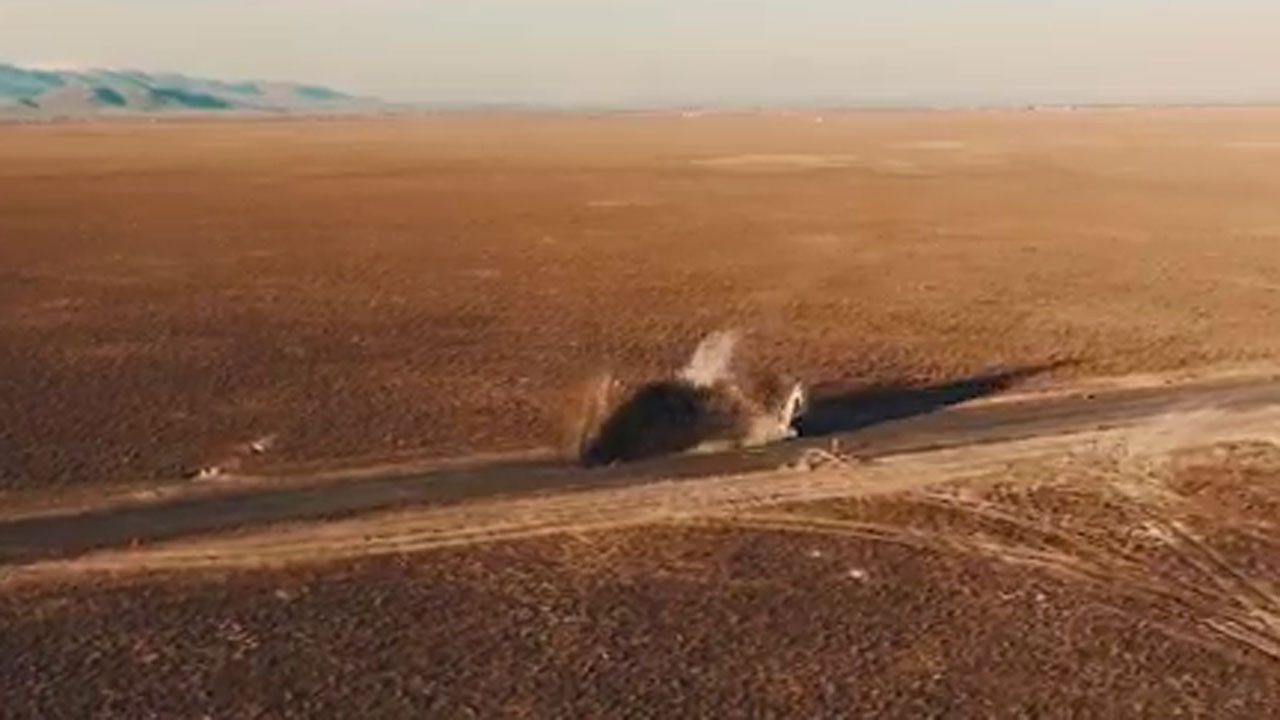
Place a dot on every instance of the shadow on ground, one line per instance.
(661, 418)
(835, 409)
(671, 417)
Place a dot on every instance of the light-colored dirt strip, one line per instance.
(817, 477)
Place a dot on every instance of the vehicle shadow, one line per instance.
(836, 409)
(661, 418)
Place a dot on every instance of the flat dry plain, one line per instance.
(431, 286)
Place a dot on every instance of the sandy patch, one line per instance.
(1263, 145)
(932, 145)
(778, 162)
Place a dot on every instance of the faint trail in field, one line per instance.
(1217, 624)
(1202, 592)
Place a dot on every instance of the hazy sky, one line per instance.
(673, 51)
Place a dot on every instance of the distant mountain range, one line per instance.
(37, 93)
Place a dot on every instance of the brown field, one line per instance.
(431, 286)
(384, 290)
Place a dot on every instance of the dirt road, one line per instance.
(912, 425)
